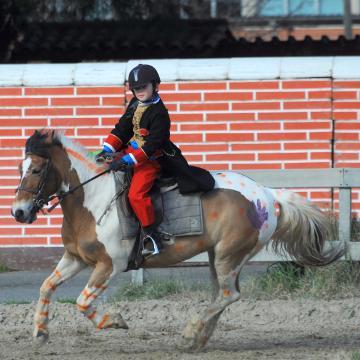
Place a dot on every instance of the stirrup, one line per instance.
(155, 247)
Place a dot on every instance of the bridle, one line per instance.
(39, 200)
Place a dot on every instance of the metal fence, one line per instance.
(344, 179)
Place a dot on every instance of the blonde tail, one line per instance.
(302, 230)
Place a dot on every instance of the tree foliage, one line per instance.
(75, 10)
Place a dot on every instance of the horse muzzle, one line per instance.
(24, 213)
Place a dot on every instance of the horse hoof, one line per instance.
(40, 338)
(118, 323)
(188, 345)
(118, 326)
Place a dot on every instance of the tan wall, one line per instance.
(299, 33)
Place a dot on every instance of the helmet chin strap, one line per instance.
(155, 98)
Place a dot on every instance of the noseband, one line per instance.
(38, 199)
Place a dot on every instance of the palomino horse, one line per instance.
(240, 217)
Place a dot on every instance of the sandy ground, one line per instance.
(279, 329)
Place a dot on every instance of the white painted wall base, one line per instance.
(115, 73)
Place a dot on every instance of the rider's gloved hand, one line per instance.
(123, 163)
(103, 155)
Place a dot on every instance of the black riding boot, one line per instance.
(152, 238)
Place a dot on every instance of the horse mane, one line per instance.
(46, 143)
(68, 143)
(40, 142)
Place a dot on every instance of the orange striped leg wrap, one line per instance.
(66, 268)
(84, 304)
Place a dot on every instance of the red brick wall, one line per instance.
(220, 125)
(346, 106)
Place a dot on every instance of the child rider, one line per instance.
(141, 133)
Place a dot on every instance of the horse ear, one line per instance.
(48, 135)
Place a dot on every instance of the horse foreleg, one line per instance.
(200, 328)
(67, 267)
(96, 286)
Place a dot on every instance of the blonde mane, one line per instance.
(83, 160)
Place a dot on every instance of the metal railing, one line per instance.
(343, 179)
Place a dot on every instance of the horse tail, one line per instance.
(302, 230)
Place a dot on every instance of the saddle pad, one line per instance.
(181, 214)
(176, 214)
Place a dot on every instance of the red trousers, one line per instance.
(141, 183)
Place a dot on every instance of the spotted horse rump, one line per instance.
(262, 210)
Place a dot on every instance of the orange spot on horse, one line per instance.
(102, 323)
(223, 175)
(51, 285)
(242, 211)
(179, 247)
(92, 315)
(82, 307)
(277, 208)
(242, 184)
(226, 293)
(41, 326)
(200, 244)
(214, 215)
(86, 294)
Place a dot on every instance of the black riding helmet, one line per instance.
(143, 74)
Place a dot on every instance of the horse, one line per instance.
(240, 218)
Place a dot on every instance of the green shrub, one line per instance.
(66, 301)
(17, 302)
(287, 280)
(156, 290)
(3, 268)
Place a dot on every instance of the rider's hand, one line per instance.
(125, 162)
(118, 164)
(102, 156)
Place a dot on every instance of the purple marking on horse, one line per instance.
(257, 214)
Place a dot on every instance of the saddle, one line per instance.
(175, 214)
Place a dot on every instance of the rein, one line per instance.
(63, 195)
(38, 199)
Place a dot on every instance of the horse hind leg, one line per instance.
(67, 267)
(200, 328)
(213, 275)
(97, 284)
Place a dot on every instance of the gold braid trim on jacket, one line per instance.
(136, 125)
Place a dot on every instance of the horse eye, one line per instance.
(36, 171)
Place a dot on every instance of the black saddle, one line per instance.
(164, 182)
